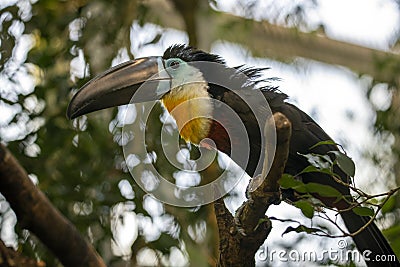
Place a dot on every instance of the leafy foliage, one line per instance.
(79, 165)
(306, 192)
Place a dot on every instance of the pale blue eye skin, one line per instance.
(174, 63)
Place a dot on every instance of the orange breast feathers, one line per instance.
(191, 107)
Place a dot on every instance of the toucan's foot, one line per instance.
(275, 198)
(272, 197)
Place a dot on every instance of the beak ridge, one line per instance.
(118, 85)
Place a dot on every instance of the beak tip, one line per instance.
(70, 115)
(74, 109)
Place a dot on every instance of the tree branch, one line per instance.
(242, 235)
(37, 214)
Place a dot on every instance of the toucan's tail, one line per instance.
(372, 239)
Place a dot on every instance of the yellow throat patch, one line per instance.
(191, 107)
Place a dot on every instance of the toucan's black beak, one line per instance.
(119, 84)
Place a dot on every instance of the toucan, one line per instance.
(165, 80)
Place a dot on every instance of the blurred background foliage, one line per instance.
(49, 48)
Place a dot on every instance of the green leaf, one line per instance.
(301, 188)
(364, 211)
(322, 190)
(317, 160)
(312, 168)
(288, 181)
(393, 233)
(306, 208)
(389, 205)
(345, 163)
(309, 168)
(327, 142)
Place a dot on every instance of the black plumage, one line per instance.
(305, 134)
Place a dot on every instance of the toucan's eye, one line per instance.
(174, 64)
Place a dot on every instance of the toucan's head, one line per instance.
(179, 85)
(158, 75)
(194, 86)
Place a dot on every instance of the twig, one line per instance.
(373, 217)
